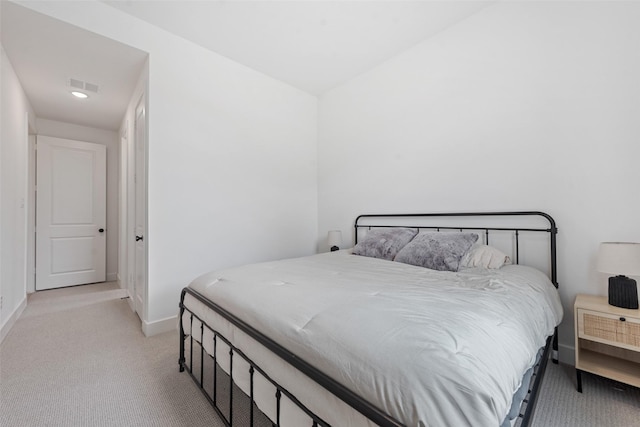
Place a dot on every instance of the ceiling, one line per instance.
(46, 53)
(313, 45)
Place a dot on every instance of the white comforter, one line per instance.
(430, 348)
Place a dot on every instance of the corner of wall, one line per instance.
(11, 320)
(566, 354)
(159, 326)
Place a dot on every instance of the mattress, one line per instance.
(429, 348)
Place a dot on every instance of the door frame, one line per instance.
(31, 131)
(30, 197)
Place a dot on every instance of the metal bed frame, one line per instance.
(356, 402)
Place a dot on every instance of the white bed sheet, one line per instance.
(430, 348)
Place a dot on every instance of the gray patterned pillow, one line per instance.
(437, 251)
(384, 242)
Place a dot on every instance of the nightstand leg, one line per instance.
(579, 378)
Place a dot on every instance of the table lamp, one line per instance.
(621, 259)
(334, 239)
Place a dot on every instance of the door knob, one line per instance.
(138, 238)
(101, 230)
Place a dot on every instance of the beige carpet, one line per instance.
(602, 403)
(77, 357)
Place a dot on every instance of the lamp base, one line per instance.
(623, 292)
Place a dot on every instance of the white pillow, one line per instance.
(484, 256)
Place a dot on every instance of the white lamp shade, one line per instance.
(334, 238)
(620, 258)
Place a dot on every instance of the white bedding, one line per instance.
(430, 348)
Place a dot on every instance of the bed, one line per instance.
(398, 336)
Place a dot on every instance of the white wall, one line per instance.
(232, 169)
(526, 105)
(111, 140)
(16, 112)
(232, 157)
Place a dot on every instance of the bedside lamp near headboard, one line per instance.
(621, 259)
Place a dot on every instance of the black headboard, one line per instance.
(483, 222)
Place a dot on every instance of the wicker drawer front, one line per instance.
(610, 328)
(600, 327)
(629, 333)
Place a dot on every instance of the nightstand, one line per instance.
(607, 340)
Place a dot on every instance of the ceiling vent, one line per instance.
(79, 84)
(76, 83)
(91, 87)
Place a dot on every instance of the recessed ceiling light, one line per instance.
(79, 94)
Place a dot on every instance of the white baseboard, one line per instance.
(159, 326)
(122, 293)
(112, 277)
(8, 324)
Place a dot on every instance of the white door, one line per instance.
(70, 212)
(140, 264)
